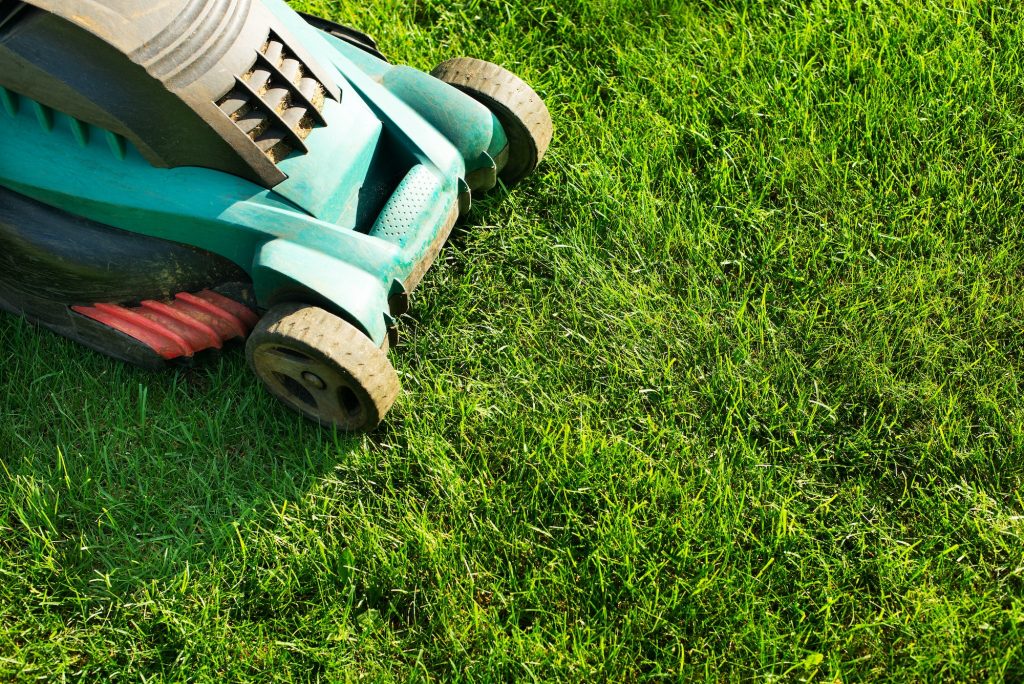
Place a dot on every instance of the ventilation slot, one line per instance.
(9, 11)
(277, 103)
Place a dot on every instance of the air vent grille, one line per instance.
(278, 102)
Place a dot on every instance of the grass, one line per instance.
(729, 389)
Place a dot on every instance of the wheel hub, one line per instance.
(309, 384)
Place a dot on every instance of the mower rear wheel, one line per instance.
(523, 116)
(323, 367)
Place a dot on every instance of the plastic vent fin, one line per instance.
(278, 102)
(9, 10)
(53, 121)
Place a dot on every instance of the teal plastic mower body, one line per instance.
(331, 178)
(323, 229)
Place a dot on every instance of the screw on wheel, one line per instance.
(323, 367)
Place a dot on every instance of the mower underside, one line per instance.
(140, 299)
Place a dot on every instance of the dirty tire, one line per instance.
(520, 110)
(323, 367)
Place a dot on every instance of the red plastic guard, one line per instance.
(179, 328)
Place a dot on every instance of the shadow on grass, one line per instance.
(114, 477)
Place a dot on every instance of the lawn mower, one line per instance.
(178, 174)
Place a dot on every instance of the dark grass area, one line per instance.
(729, 389)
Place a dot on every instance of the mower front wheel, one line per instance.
(521, 112)
(323, 367)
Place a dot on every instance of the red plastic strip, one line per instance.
(215, 311)
(247, 316)
(163, 342)
(180, 328)
(199, 333)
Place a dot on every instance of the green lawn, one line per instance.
(729, 389)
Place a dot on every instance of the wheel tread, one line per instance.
(313, 330)
(521, 111)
